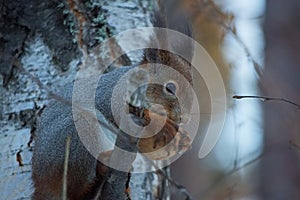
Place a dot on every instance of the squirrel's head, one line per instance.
(168, 63)
(169, 98)
(169, 59)
(170, 86)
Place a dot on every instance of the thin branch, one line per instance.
(179, 187)
(236, 138)
(257, 66)
(65, 173)
(236, 169)
(265, 98)
(99, 191)
(231, 172)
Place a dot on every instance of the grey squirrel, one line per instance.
(56, 121)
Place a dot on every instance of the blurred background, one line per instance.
(255, 45)
(232, 33)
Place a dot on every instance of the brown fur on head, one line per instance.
(170, 15)
(169, 69)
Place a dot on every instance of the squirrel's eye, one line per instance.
(171, 88)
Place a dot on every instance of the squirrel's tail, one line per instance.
(171, 15)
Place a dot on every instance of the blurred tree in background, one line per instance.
(280, 163)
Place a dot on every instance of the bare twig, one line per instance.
(65, 173)
(231, 172)
(257, 67)
(99, 191)
(179, 187)
(234, 118)
(236, 169)
(232, 31)
(265, 98)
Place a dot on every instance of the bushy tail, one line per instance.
(171, 15)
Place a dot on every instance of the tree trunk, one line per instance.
(280, 172)
(42, 37)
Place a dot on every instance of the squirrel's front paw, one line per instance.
(168, 142)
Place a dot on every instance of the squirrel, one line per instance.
(56, 121)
